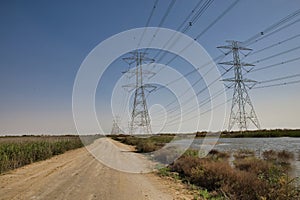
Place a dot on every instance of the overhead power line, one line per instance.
(277, 84)
(276, 27)
(272, 27)
(148, 22)
(175, 121)
(280, 78)
(274, 32)
(198, 14)
(188, 24)
(222, 56)
(251, 39)
(231, 6)
(166, 13)
(276, 64)
(275, 55)
(273, 45)
(170, 6)
(197, 93)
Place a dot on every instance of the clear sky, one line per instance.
(43, 43)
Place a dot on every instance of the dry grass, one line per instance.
(19, 151)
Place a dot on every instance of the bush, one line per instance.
(282, 157)
(254, 165)
(242, 185)
(251, 178)
(185, 164)
(210, 175)
(270, 155)
(243, 153)
(285, 157)
(146, 146)
(217, 155)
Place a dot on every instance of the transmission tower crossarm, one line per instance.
(232, 63)
(249, 80)
(247, 64)
(148, 72)
(224, 47)
(229, 79)
(149, 87)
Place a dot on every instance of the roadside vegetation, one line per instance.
(216, 176)
(17, 151)
(262, 133)
(256, 133)
(145, 144)
(249, 177)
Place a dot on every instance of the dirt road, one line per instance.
(78, 175)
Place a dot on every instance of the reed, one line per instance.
(17, 152)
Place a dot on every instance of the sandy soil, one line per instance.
(78, 175)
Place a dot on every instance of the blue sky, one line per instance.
(43, 43)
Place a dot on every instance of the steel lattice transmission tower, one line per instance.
(242, 111)
(140, 119)
(115, 127)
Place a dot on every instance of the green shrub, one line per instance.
(146, 146)
(164, 171)
(191, 152)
